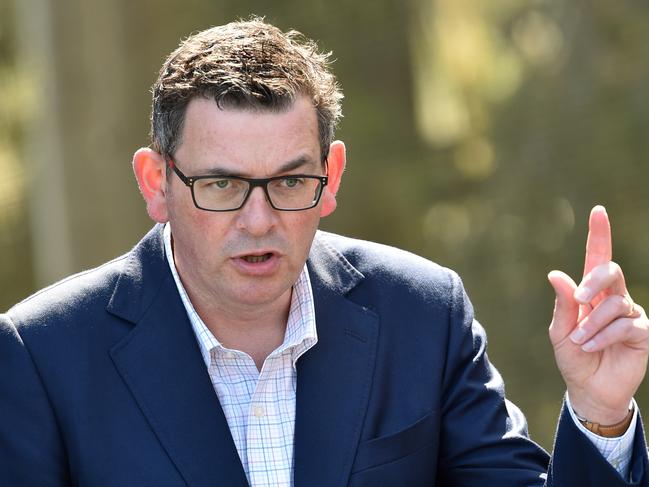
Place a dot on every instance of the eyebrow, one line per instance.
(296, 163)
(289, 166)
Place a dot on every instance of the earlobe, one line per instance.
(335, 167)
(149, 168)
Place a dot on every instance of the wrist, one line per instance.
(608, 430)
(596, 412)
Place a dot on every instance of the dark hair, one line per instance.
(248, 65)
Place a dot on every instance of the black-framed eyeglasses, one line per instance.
(292, 192)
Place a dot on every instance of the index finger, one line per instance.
(599, 249)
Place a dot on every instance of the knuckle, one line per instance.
(625, 325)
(621, 304)
(614, 268)
(553, 333)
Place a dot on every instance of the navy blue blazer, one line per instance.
(102, 384)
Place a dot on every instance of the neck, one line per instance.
(256, 330)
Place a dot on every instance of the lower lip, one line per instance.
(262, 268)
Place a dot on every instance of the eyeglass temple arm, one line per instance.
(179, 173)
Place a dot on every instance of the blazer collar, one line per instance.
(160, 362)
(329, 267)
(144, 275)
(334, 378)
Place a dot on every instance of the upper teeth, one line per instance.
(256, 258)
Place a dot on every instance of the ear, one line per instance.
(335, 167)
(150, 171)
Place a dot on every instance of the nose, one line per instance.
(257, 217)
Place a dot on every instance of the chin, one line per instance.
(260, 297)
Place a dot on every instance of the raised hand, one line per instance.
(599, 335)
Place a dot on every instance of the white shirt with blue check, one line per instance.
(260, 406)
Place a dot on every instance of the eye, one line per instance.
(292, 182)
(221, 183)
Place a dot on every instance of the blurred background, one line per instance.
(479, 134)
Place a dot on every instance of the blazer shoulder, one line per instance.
(386, 264)
(71, 296)
(89, 292)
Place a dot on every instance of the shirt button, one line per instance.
(258, 411)
(229, 355)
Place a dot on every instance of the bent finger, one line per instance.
(607, 311)
(633, 332)
(607, 277)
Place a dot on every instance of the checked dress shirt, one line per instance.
(259, 406)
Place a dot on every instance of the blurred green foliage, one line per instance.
(15, 261)
(479, 134)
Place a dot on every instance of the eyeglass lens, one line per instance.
(225, 193)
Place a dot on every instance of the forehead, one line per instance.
(247, 139)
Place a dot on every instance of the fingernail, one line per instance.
(582, 293)
(578, 335)
(588, 346)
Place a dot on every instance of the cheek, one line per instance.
(202, 246)
(185, 215)
(200, 232)
(209, 234)
(304, 227)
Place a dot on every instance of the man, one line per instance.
(236, 344)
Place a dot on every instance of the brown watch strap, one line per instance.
(608, 431)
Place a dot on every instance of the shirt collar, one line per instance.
(301, 333)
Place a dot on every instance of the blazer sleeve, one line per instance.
(484, 436)
(31, 447)
(576, 458)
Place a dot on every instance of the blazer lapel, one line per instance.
(161, 364)
(333, 378)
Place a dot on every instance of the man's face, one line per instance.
(252, 256)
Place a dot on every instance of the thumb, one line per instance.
(566, 309)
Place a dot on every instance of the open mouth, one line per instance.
(256, 259)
